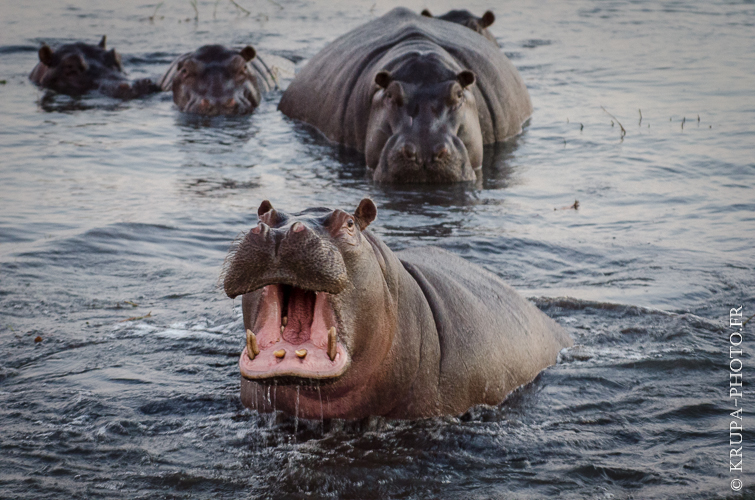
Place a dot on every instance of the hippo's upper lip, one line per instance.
(295, 335)
(268, 255)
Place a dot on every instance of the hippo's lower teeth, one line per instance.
(280, 354)
(301, 353)
(284, 321)
(332, 343)
(251, 344)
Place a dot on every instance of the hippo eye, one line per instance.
(459, 94)
(350, 224)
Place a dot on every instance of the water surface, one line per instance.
(113, 210)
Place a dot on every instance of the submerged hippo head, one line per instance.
(466, 18)
(424, 125)
(77, 68)
(216, 81)
(311, 293)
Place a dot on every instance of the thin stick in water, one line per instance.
(239, 7)
(623, 130)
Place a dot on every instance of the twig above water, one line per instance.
(154, 14)
(239, 7)
(623, 130)
(135, 318)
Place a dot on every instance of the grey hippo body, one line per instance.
(339, 326)
(215, 80)
(419, 96)
(77, 68)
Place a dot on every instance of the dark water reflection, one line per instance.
(115, 218)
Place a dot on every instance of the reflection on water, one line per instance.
(52, 102)
(115, 218)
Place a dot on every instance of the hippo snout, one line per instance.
(438, 153)
(408, 161)
(221, 106)
(290, 254)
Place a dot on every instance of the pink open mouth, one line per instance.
(295, 335)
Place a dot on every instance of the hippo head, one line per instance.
(466, 18)
(77, 68)
(216, 81)
(312, 294)
(423, 124)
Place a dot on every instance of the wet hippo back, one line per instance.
(491, 339)
(336, 90)
(466, 18)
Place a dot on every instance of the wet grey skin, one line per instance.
(466, 18)
(422, 332)
(77, 68)
(417, 95)
(215, 80)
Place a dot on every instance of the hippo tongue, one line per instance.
(295, 335)
(301, 310)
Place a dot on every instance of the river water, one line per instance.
(114, 210)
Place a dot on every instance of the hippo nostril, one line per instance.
(204, 105)
(409, 152)
(261, 227)
(440, 153)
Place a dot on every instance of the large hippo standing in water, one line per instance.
(214, 80)
(339, 326)
(419, 96)
(78, 68)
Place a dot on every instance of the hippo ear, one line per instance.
(487, 19)
(265, 207)
(45, 55)
(248, 53)
(365, 213)
(102, 42)
(426, 13)
(383, 79)
(113, 58)
(465, 78)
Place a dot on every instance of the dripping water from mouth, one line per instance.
(322, 417)
(296, 419)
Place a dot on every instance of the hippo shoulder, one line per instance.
(492, 339)
(332, 91)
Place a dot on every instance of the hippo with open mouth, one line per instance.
(417, 95)
(466, 18)
(339, 326)
(215, 80)
(77, 68)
